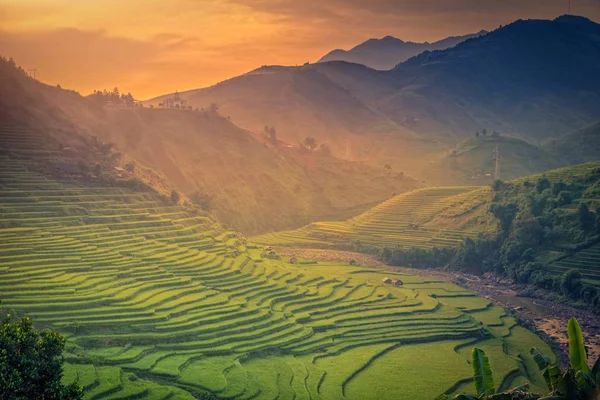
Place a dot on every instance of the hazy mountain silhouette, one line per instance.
(537, 78)
(387, 52)
(533, 79)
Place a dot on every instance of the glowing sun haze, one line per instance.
(151, 47)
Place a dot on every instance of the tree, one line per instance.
(570, 283)
(31, 363)
(130, 167)
(175, 196)
(585, 217)
(98, 169)
(484, 131)
(271, 134)
(497, 185)
(477, 134)
(542, 184)
(310, 143)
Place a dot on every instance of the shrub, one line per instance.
(570, 283)
(175, 196)
(497, 185)
(130, 167)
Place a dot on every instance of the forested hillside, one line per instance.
(254, 183)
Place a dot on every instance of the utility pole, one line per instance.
(497, 163)
(569, 7)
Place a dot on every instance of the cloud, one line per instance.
(88, 60)
(150, 47)
(417, 19)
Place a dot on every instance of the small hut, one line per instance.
(386, 280)
(397, 282)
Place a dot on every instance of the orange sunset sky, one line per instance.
(152, 47)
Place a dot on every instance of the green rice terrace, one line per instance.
(159, 301)
(424, 218)
(441, 217)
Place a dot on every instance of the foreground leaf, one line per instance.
(541, 360)
(596, 371)
(577, 353)
(482, 373)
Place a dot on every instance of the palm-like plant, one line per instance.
(578, 382)
(484, 382)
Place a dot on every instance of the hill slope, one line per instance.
(580, 146)
(387, 52)
(534, 228)
(474, 160)
(534, 79)
(424, 219)
(298, 102)
(257, 186)
(160, 301)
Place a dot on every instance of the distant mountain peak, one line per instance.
(387, 52)
(390, 38)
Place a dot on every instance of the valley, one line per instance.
(408, 219)
(140, 287)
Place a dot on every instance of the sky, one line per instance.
(152, 47)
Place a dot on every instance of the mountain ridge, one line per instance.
(389, 51)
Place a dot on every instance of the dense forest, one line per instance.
(534, 216)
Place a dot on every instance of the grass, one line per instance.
(159, 305)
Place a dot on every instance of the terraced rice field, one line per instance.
(160, 302)
(562, 258)
(585, 260)
(424, 218)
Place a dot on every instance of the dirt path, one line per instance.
(548, 319)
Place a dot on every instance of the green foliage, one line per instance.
(482, 373)
(571, 283)
(576, 382)
(484, 382)
(497, 184)
(31, 363)
(532, 216)
(577, 354)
